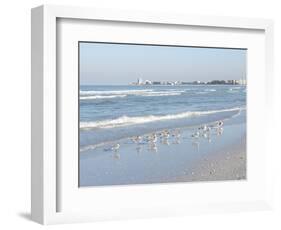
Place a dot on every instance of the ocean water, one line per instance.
(112, 113)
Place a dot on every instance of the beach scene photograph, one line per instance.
(151, 114)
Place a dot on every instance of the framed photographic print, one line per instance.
(133, 113)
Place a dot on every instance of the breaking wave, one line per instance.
(92, 97)
(126, 120)
(115, 92)
(160, 94)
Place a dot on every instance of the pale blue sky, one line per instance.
(104, 64)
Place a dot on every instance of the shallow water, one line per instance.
(109, 113)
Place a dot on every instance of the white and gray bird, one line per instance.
(219, 123)
(176, 133)
(195, 135)
(136, 139)
(153, 138)
(203, 128)
(115, 147)
(166, 133)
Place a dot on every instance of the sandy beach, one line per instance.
(181, 157)
(227, 164)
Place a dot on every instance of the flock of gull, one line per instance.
(166, 136)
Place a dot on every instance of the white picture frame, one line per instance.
(46, 182)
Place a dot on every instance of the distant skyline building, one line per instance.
(139, 81)
(242, 82)
(212, 82)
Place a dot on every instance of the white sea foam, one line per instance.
(206, 91)
(210, 90)
(162, 93)
(115, 92)
(201, 92)
(89, 147)
(125, 120)
(122, 93)
(234, 90)
(92, 97)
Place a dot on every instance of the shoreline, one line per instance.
(244, 85)
(222, 156)
(190, 120)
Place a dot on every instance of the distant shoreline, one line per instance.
(171, 85)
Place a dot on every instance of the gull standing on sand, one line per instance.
(115, 147)
(176, 133)
(195, 135)
(205, 131)
(153, 138)
(136, 139)
(146, 139)
(203, 128)
(218, 127)
(219, 123)
(219, 131)
(166, 133)
(162, 134)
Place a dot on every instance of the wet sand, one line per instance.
(227, 164)
(182, 158)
